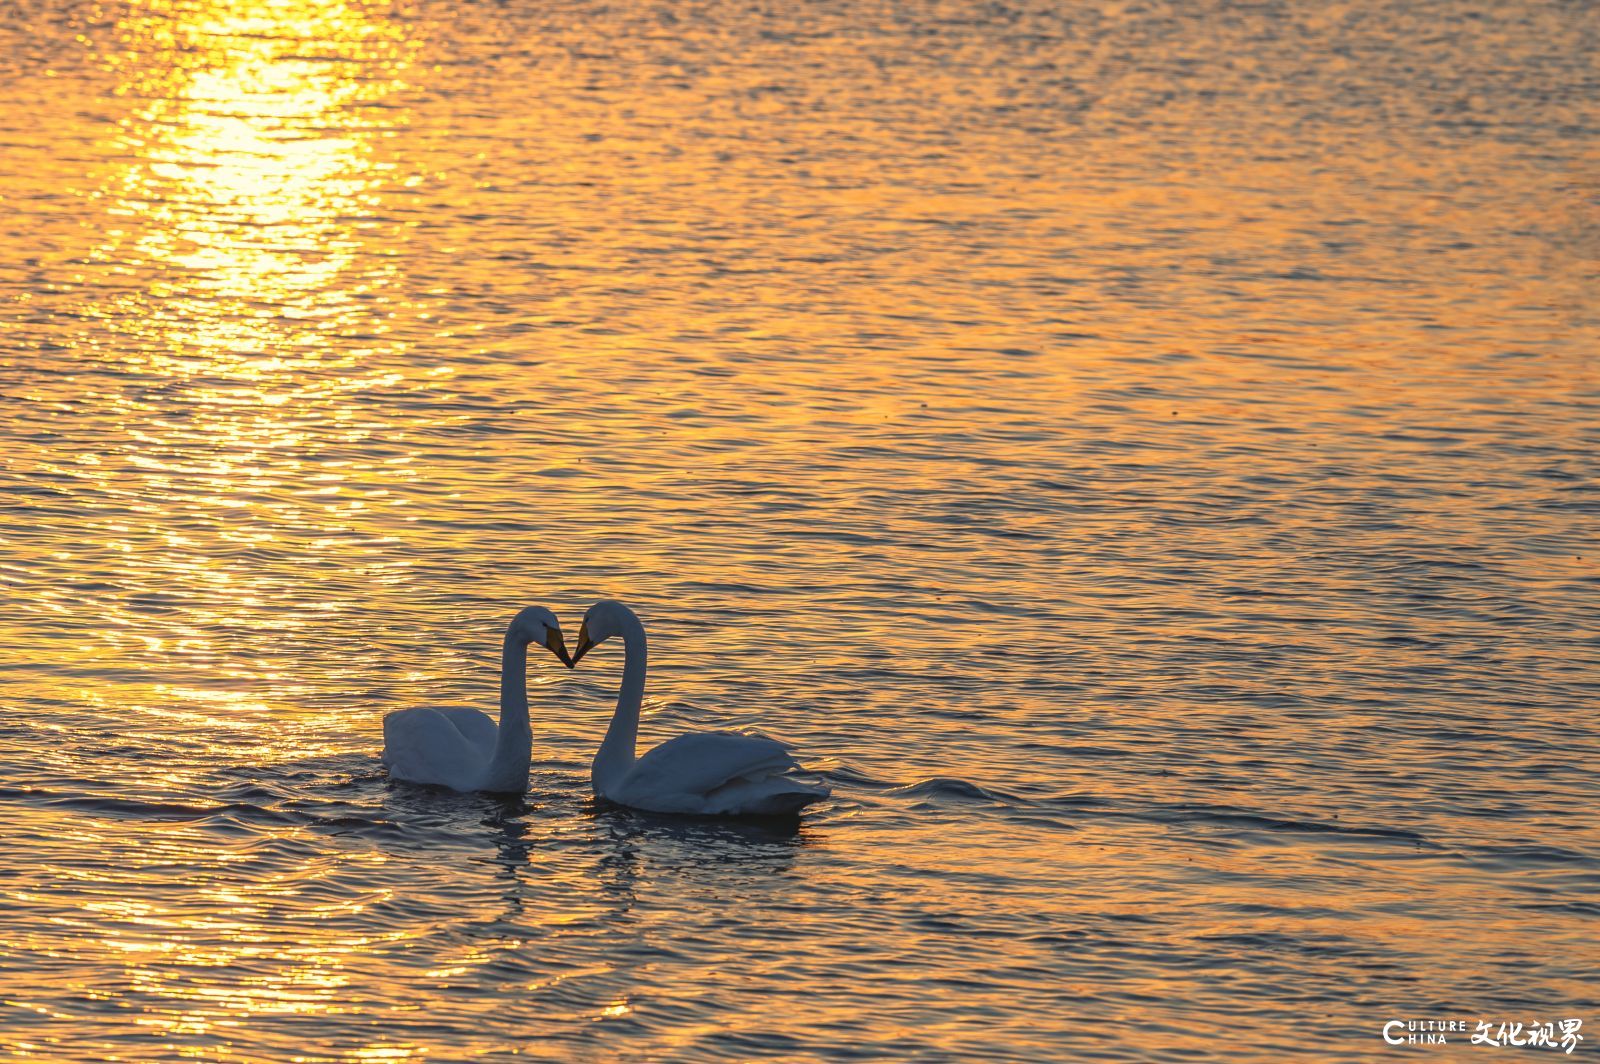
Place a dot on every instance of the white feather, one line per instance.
(717, 773)
(462, 748)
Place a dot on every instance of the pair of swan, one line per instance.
(718, 773)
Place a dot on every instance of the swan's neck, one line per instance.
(616, 752)
(508, 768)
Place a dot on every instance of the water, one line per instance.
(1142, 454)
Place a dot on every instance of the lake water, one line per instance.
(1142, 454)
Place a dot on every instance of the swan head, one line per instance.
(538, 625)
(605, 619)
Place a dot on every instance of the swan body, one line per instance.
(462, 748)
(707, 773)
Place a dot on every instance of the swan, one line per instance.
(462, 748)
(717, 773)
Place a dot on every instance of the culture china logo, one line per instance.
(1540, 1034)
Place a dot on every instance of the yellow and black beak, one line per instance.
(558, 647)
(584, 644)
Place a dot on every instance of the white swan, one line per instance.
(719, 773)
(462, 748)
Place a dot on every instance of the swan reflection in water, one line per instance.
(530, 842)
(577, 905)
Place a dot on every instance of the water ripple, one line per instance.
(1139, 454)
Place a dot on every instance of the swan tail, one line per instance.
(767, 795)
(789, 803)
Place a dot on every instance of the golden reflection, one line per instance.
(239, 201)
(248, 177)
(779, 373)
(235, 961)
(242, 227)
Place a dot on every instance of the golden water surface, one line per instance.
(1142, 454)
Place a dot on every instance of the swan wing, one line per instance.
(777, 795)
(701, 762)
(474, 725)
(713, 772)
(429, 746)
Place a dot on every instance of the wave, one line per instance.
(1184, 813)
(225, 815)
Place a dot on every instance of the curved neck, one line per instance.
(513, 745)
(616, 752)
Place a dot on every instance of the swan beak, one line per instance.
(558, 647)
(584, 644)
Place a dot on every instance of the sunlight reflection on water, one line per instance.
(1143, 455)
